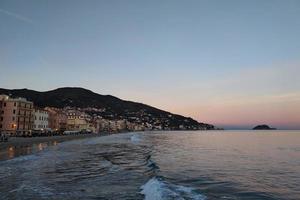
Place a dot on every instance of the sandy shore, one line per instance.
(22, 142)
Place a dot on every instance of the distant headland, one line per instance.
(263, 127)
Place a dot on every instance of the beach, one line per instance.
(22, 142)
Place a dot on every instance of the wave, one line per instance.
(152, 165)
(157, 189)
(22, 158)
(43, 191)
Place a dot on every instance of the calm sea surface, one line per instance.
(158, 165)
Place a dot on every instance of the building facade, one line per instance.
(77, 121)
(16, 116)
(41, 117)
(57, 119)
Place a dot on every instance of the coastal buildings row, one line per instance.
(19, 117)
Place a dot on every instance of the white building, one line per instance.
(40, 119)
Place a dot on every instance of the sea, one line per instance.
(162, 165)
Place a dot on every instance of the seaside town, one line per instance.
(21, 118)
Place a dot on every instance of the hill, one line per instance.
(111, 107)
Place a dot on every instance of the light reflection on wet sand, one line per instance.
(14, 151)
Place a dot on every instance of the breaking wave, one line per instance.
(157, 189)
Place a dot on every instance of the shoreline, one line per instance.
(19, 142)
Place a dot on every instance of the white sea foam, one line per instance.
(156, 189)
(41, 190)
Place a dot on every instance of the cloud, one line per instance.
(17, 16)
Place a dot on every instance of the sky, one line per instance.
(234, 64)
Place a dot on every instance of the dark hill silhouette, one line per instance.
(263, 127)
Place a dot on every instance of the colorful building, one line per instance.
(77, 120)
(16, 116)
(57, 119)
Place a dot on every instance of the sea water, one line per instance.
(159, 165)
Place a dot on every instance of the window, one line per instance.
(13, 118)
(14, 111)
(0, 125)
(15, 104)
(4, 104)
(1, 119)
(2, 111)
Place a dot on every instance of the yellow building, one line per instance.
(77, 121)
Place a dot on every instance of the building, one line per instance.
(77, 120)
(41, 117)
(57, 119)
(102, 125)
(106, 125)
(16, 115)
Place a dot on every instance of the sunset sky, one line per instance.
(234, 64)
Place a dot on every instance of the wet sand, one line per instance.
(17, 142)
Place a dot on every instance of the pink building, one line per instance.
(16, 116)
(57, 120)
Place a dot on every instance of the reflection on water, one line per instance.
(11, 152)
(14, 151)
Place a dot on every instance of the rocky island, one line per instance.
(263, 127)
